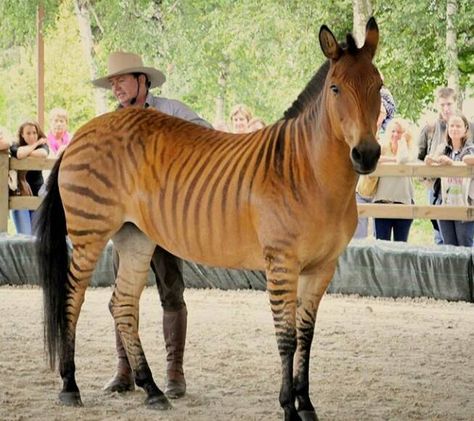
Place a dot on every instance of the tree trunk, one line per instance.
(451, 66)
(361, 12)
(83, 17)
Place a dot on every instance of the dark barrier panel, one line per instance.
(381, 269)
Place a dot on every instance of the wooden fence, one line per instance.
(370, 209)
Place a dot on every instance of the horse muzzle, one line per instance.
(365, 156)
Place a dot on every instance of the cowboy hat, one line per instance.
(121, 63)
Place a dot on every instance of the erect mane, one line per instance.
(312, 90)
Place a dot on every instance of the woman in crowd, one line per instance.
(32, 142)
(239, 118)
(58, 136)
(397, 146)
(456, 191)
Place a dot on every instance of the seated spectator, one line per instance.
(367, 185)
(455, 191)
(58, 136)
(397, 146)
(255, 124)
(32, 142)
(239, 118)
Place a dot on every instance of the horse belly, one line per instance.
(203, 235)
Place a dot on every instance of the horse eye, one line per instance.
(334, 89)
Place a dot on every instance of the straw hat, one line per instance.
(121, 63)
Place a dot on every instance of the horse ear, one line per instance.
(329, 44)
(371, 36)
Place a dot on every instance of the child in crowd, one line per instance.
(455, 191)
(31, 142)
(58, 136)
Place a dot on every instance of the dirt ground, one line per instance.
(373, 359)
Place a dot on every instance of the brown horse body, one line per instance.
(281, 200)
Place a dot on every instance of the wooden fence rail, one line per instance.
(371, 209)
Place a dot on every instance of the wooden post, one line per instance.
(4, 162)
(40, 65)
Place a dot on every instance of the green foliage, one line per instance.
(261, 53)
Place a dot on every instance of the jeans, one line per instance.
(22, 218)
(400, 228)
(438, 237)
(457, 233)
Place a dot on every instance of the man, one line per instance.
(130, 82)
(432, 136)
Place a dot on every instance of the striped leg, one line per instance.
(311, 289)
(80, 272)
(135, 250)
(282, 275)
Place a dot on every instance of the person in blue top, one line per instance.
(130, 82)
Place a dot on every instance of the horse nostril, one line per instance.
(356, 155)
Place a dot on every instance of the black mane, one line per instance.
(312, 90)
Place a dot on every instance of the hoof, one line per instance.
(308, 415)
(175, 389)
(159, 402)
(70, 398)
(119, 384)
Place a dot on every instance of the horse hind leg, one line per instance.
(82, 265)
(311, 289)
(134, 249)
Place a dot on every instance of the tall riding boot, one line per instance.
(174, 330)
(123, 379)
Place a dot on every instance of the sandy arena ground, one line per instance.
(374, 359)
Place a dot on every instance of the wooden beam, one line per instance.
(385, 210)
(419, 169)
(32, 163)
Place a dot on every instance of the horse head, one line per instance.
(352, 95)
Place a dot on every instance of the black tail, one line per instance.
(53, 259)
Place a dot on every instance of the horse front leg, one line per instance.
(135, 250)
(282, 277)
(311, 288)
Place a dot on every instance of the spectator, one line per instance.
(255, 124)
(239, 118)
(32, 142)
(367, 185)
(431, 137)
(58, 136)
(130, 82)
(456, 191)
(397, 146)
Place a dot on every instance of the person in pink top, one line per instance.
(58, 136)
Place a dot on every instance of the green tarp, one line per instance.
(381, 269)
